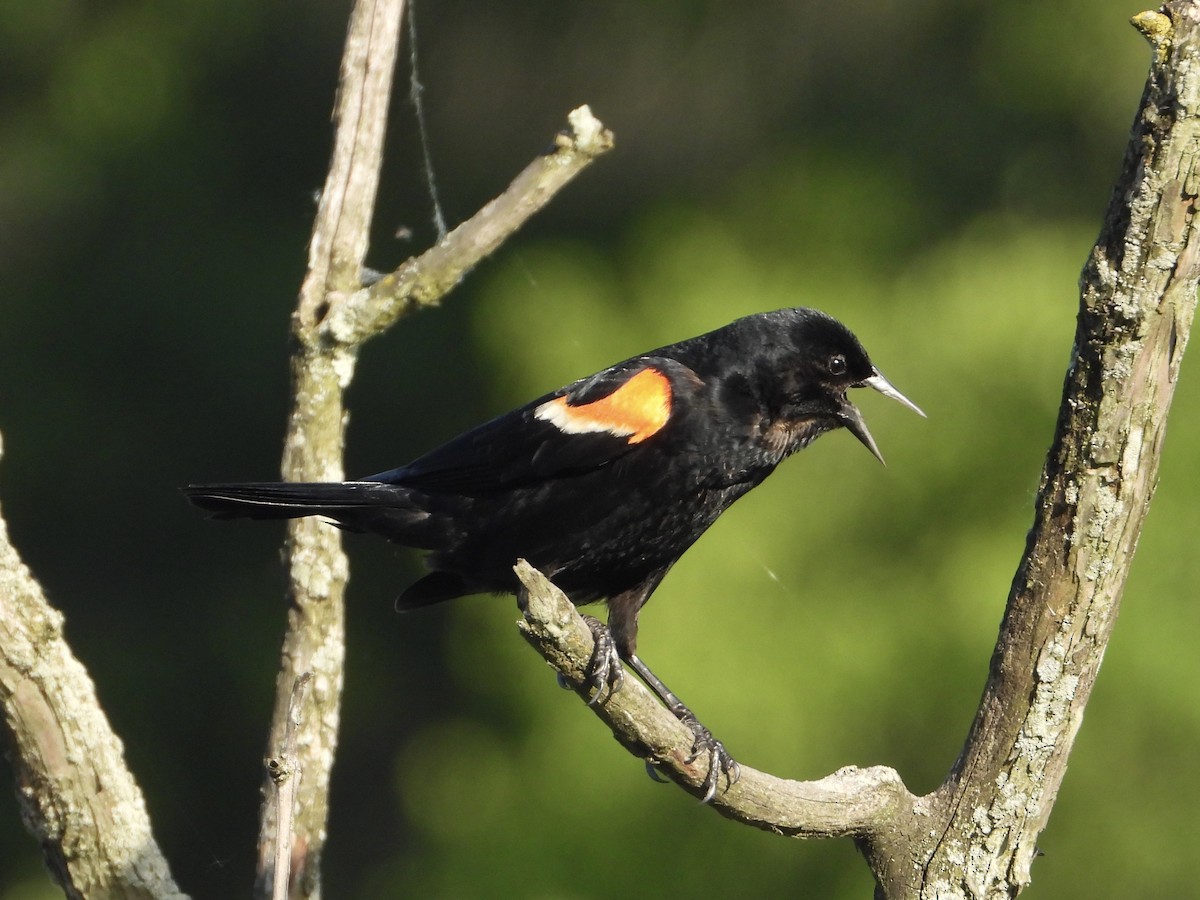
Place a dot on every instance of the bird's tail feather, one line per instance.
(284, 500)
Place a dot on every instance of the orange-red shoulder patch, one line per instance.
(637, 409)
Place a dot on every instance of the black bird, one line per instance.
(603, 484)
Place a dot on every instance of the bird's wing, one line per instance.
(578, 428)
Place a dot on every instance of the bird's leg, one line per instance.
(604, 671)
(623, 612)
(703, 744)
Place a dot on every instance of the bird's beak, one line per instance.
(884, 387)
(852, 419)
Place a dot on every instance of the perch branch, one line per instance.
(850, 802)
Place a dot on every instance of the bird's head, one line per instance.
(823, 361)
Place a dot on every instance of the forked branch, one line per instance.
(976, 835)
(335, 315)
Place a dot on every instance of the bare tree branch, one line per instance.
(80, 801)
(334, 316)
(77, 796)
(317, 569)
(976, 835)
(846, 803)
(424, 280)
(1138, 297)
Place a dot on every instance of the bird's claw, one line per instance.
(605, 674)
(655, 775)
(719, 761)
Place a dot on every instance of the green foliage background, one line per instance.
(931, 174)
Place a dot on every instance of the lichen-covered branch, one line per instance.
(335, 315)
(317, 569)
(1138, 297)
(975, 837)
(78, 798)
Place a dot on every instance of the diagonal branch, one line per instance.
(850, 802)
(1138, 298)
(77, 796)
(424, 280)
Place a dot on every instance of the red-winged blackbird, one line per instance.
(603, 484)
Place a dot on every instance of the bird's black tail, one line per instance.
(394, 511)
(283, 500)
(391, 510)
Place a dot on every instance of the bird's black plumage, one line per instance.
(603, 484)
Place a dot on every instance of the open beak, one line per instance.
(852, 419)
(884, 387)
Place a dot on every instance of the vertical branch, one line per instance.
(336, 314)
(1138, 298)
(321, 371)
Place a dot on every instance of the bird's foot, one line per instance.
(719, 761)
(605, 672)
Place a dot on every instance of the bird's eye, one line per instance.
(837, 365)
